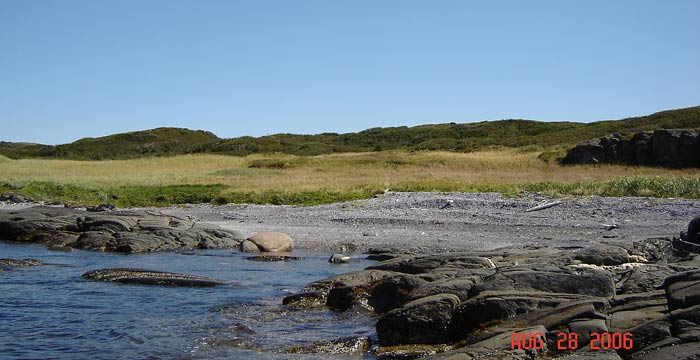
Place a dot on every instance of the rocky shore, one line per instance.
(458, 276)
(127, 231)
(469, 305)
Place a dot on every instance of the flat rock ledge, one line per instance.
(130, 231)
(150, 277)
(470, 305)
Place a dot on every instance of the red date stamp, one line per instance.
(569, 341)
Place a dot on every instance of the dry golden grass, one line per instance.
(498, 170)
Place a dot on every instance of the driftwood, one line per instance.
(543, 206)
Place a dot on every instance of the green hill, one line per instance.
(456, 137)
(155, 142)
(452, 137)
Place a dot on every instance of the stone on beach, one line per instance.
(271, 241)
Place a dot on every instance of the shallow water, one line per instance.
(50, 312)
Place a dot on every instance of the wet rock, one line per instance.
(603, 255)
(683, 290)
(393, 292)
(270, 241)
(307, 299)
(422, 321)
(150, 277)
(339, 259)
(347, 290)
(350, 345)
(12, 263)
(272, 258)
(118, 231)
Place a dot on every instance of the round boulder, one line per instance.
(270, 241)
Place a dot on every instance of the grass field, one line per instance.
(308, 180)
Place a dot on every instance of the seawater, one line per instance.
(50, 312)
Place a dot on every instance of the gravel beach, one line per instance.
(424, 222)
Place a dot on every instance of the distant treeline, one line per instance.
(450, 137)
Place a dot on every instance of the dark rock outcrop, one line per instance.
(150, 277)
(468, 306)
(669, 148)
(119, 231)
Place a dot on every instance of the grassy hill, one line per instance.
(155, 142)
(450, 137)
(455, 137)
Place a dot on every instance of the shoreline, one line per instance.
(432, 222)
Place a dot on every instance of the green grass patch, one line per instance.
(247, 172)
(126, 196)
(658, 187)
(142, 196)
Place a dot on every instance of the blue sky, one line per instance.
(72, 68)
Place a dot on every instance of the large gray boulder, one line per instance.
(118, 231)
(271, 241)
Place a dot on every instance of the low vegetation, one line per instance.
(528, 134)
(309, 180)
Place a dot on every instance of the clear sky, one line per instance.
(77, 68)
